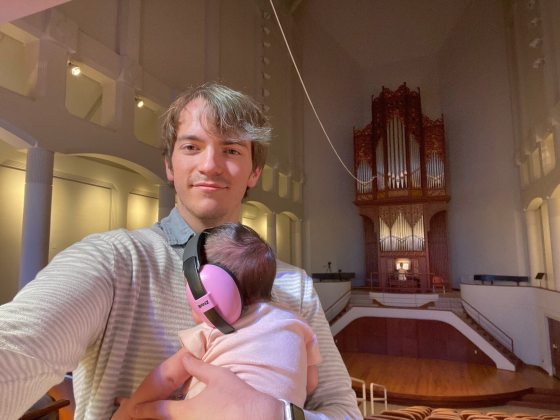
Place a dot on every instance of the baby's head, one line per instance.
(227, 267)
(240, 250)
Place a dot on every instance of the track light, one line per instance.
(75, 70)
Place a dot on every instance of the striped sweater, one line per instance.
(109, 309)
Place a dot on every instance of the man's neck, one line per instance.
(198, 224)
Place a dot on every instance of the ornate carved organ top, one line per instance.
(399, 159)
(403, 149)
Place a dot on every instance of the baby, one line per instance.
(269, 347)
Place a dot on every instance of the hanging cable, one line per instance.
(311, 102)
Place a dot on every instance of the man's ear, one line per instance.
(254, 177)
(169, 170)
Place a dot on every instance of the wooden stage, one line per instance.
(442, 383)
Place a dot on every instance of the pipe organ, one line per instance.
(401, 192)
(401, 228)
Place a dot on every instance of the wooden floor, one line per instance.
(440, 382)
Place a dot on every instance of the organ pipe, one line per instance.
(405, 150)
(396, 154)
(380, 166)
(435, 172)
(364, 174)
(401, 147)
(401, 235)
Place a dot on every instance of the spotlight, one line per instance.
(74, 69)
(139, 103)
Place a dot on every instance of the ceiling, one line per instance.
(387, 30)
(15, 9)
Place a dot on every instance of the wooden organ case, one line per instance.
(400, 161)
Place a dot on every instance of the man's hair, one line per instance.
(231, 113)
(241, 250)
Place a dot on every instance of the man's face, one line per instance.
(210, 173)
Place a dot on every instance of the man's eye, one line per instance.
(188, 147)
(232, 152)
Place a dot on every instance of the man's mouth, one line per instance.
(209, 186)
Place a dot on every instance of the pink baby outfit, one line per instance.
(270, 350)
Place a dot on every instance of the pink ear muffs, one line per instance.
(222, 295)
(211, 290)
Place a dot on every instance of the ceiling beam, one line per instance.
(17, 9)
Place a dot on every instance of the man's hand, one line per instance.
(121, 413)
(225, 397)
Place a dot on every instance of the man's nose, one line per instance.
(212, 160)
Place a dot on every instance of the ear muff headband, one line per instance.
(193, 259)
(191, 263)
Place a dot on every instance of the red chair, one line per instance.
(438, 283)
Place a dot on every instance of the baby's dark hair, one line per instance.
(241, 250)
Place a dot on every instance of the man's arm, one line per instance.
(23, 380)
(46, 329)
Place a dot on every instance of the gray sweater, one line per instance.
(109, 309)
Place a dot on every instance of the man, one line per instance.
(109, 307)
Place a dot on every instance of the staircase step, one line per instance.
(547, 398)
(535, 404)
(547, 391)
(539, 398)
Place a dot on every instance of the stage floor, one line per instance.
(445, 383)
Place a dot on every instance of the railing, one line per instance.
(404, 300)
(337, 307)
(362, 400)
(454, 305)
(413, 281)
(488, 326)
(373, 398)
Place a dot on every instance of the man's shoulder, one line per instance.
(121, 234)
(292, 288)
(289, 276)
(285, 269)
(122, 238)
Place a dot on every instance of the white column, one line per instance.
(119, 210)
(535, 243)
(36, 214)
(554, 222)
(271, 230)
(129, 23)
(166, 200)
(547, 282)
(296, 243)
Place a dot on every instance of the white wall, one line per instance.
(140, 49)
(11, 214)
(333, 229)
(486, 226)
(467, 82)
(88, 196)
(341, 89)
(521, 312)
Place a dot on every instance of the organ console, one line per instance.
(400, 162)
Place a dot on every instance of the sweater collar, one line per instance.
(175, 228)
